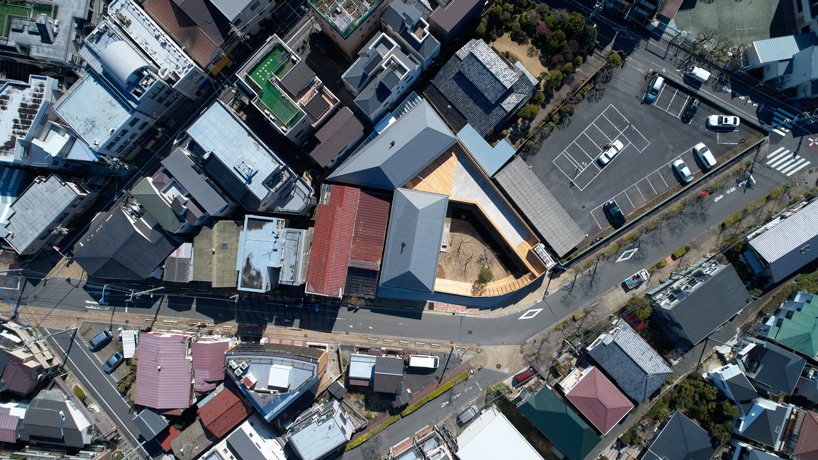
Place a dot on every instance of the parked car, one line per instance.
(614, 214)
(690, 112)
(723, 122)
(610, 152)
(100, 340)
(113, 362)
(704, 155)
(682, 171)
(655, 88)
(522, 378)
(697, 75)
(467, 415)
(635, 280)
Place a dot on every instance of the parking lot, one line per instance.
(653, 137)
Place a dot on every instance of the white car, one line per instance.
(681, 170)
(722, 121)
(609, 153)
(704, 155)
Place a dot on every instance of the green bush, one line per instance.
(632, 237)
(653, 225)
(811, 192)
(661, 264)
(579, 315)
(755, 292)
(615, 59)
(612, 249)
(80, 394)
(678, 209)
(485, 276)
(374, 431)
(577, 62)
(538, 98)
(732, 220)
(774, 194)
(529, 111)
(431, 396)
(589, 264)
(757, 204)
(680, 252)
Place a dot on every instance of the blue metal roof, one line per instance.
(491, 159)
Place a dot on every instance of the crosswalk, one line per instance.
(786, 162)
(781, 118)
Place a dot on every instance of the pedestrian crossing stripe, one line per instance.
(786, 162)
(780, 132)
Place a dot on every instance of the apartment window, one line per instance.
(110, 146)
(161, 99)
(55, 163)
(168, 104)
(254, 6)
(143, 125)
(799, 6)
(120, 148)
(238, 21)
(123, 132)
(133, 122)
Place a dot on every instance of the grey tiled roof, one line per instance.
(402, 18)
(149, 423)
(766, 427)
(45, 423)
(681, 439)
(772, 368)
(373, 96)
(182, 168)
(482, 86)
(539, 206)
(742, 391)
(399, 153)
(335, 135)
(243, 446)
(631, 362)
(413, 240)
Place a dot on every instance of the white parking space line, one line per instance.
(663, 179)
(603, 132)
(647, 179)
(779, 132)
(629, 200)
(640, 192)
(597, 222)
(679, 115)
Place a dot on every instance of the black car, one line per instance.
(614, 214)
(113, 362)
(690, 112)
(100, 340)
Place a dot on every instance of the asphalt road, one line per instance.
(446, 407)
(101, 386)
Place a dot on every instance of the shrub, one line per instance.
(774, 194)
(480, 31)
(612, 249)
(579, 315)
(577, 62)
(615, 59)
(485, 275)
(680, 252)
(755, 292)
(632, 237)
(732, 220)
(568, 68)
(542, 29)
(796, 199)
(589, 264)
(539, 98)
(374, 431)
(653, 225)
(529, 111)
(661, 264)
(678, 209)
(811, 192)
(80, 394)
(439, 391)
(757, 204)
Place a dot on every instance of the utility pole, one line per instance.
(135, 294)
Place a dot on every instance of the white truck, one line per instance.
(636, 279)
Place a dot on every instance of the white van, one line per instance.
(698, 74)
(424, 362)
(704, 155)
(653, 92)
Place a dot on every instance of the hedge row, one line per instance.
(680, 252)
(375, 431)
(443, 388)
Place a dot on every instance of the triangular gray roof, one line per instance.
(44, 423)
(182, 168)
(767, 426)
(113, 247)
(772, 368)
(399, 153)
(781, 245)
(149, 423)
(782, 48)
(630, 361)
(681, 439)
(402, 17)
(413, 240)
(742, 391)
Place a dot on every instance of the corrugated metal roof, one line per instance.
(413, 240)
(175, 22)
(163, 372)
(788, 246)
(8, 425)
(456, 11)
(399, 153)
(540, 207)
(491, 159)
(362, 367)
(224, 412)
(782, 48)
(332, 239)
(335, 135)
(370, 230)
(208, 363)
(128, 343)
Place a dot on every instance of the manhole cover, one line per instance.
(34, 296)
(583, 206)
(469, 331)
(499, 366)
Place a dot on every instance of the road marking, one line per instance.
(716, 199)
(626, 255)
(530, 314)
(796, 169)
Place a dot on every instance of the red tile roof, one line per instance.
(208, 363)
(349, 232)
(8, 425)
(186, 33)
(224, 412)
(370, 231)
(168, 436)
(807, 446)
(599, 400)
(163, 372)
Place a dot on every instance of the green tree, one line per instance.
(577, 61)
(480, 31)
(615, 59)
(587, 39)
(575, 23)
(485, 275)
(723, 432)
(529, 111)
(555, 41)
(539, 98)
(568, 68)
(554, 80)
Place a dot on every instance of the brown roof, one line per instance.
(207, 17)
(190, 36)
(223, 412)
(17, 375)
(370, 231)
(208, 363)
(335, 135)
(8, 425)
(449, 17)
(807, 446)
(599, 400)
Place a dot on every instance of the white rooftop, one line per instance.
(280, 376)
(481, 439)
(92, 110)
(19, 104)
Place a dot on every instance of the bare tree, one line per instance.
(705, 36)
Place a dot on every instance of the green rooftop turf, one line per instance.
(276, 63)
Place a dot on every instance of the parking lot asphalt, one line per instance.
(653, 136)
